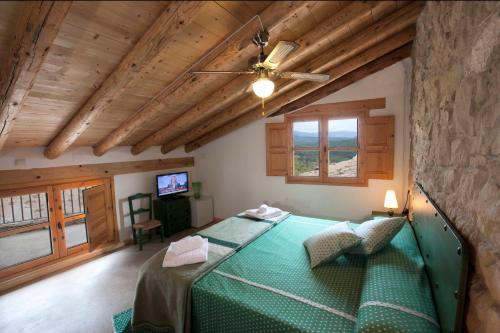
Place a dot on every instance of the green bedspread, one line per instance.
(268, 286)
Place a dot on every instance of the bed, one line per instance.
(262, 282)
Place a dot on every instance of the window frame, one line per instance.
(323, 117)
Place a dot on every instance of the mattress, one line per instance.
(268, 286)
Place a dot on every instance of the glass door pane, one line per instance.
(25, 229)
(74, 217)
(76, 232)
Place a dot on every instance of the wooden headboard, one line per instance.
(446, 258)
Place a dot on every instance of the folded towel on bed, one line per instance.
(262, 209)
(186, 244)
(194, 256)
(269, 212)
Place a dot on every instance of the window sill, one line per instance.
(335, 182)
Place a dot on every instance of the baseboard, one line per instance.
(17, 280)
(127, 242)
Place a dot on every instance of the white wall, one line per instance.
(125, 185)
(233, 168)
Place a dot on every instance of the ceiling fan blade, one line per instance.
(279, 53)
(304, 76)
(222, 72)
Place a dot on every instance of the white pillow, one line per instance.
(376, 234)
(330, 243)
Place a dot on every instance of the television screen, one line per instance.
(172, 183)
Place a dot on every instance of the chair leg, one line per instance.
(140, 239)
(134, 235)
(161, 233)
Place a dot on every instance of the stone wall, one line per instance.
(455, 135)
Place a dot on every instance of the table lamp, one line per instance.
(390, 202)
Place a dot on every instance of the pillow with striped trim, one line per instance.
(330, 243)
(376, 234)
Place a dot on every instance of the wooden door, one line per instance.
(98, 224)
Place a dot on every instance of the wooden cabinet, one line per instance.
(174, 213)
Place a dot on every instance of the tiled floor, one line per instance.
(81, 299)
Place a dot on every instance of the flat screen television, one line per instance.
(172, 184)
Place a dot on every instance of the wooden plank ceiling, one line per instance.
(117, 72)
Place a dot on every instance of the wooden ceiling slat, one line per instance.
(35, 31)
(64, 69)
(314, 40)
(342, 82)
(190, 45)
(226, 53)
(243, 10)
(174, 18)
(95, 37)
(8, 17)
(333, 56)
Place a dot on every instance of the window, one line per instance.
(326, 149)
(332, 144)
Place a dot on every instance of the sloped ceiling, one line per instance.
(94, 39)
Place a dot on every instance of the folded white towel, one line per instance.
(186, 244)
(271, 212)
(262, 209)
(191, 257)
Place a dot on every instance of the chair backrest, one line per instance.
(140, 210)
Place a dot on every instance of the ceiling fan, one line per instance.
(265, 67)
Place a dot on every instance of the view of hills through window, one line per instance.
(343, 133)
(342, 147)
(306, 148)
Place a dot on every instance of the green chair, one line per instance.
(148, 225)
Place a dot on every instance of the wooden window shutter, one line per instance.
(379, 147)
(99, 225)
(276, 149)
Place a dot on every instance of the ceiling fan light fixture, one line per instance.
(263, 87)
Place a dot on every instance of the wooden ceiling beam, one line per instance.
(350, 19)
(223, 55)
(175, 17)
(35, 31)
(21, 178)
(376, 33)
(343, 81)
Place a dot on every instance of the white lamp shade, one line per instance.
(263, 87)
(390, 200)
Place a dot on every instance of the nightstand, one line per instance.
(382, 215)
